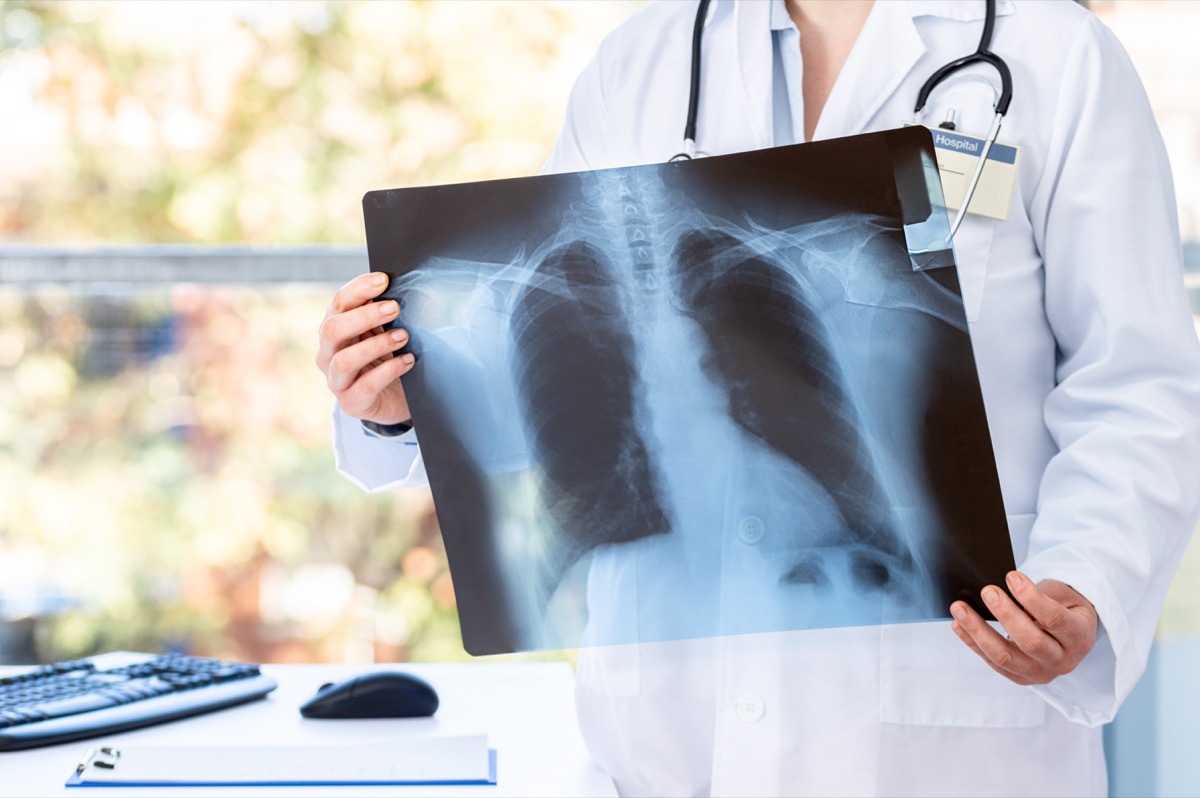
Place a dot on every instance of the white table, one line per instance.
(527, 710)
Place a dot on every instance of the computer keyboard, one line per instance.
(116, 692)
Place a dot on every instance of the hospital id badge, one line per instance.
(957, 157)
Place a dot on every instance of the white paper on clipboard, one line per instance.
(423, 761)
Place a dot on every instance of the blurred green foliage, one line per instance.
(264, 121)
(166, 479)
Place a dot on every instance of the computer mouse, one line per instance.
(379, 694)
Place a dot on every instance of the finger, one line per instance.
(346, 329)
(1023, 630)
(347, 364)
(358, 292)
(970, 643)
(362, 398)
(994, 648)
(1050, 614)
(327, 350)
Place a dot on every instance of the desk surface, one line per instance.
(526, 709)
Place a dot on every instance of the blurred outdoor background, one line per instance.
(166, 480)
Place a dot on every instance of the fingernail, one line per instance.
(991, 595)
(957, 611)
(378, 278)
(388, 308)
(399, 336)
(408, 359)
(1013, 579)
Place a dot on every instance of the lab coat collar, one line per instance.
(957, 9)
(886, 51)
(753, 25)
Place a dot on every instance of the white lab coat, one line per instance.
(1090, 370)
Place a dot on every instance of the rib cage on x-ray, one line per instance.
(572, 390)
(572, 307)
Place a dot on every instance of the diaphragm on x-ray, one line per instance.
(712, 397)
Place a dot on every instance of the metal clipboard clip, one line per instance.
(105, 757)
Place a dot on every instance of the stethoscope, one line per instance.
(981, 55)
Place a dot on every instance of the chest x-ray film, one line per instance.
(712, 397)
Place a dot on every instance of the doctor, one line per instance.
(1090, 370)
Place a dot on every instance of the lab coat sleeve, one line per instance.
(1118, 502)
(373, 463)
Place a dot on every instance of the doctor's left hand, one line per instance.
(1049, 632)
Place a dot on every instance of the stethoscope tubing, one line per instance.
(981, 55)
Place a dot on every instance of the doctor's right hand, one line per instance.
(358, 357)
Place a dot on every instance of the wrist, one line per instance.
(386, 430)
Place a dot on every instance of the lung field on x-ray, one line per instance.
(571, 337)
(626, 380)
(769, 350)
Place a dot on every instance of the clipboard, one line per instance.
(423, 761)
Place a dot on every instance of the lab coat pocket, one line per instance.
(972, 246)
(929, 678)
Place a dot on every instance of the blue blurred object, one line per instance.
(1151, 746)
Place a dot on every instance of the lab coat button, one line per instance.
(751, 530)
(750, 708)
